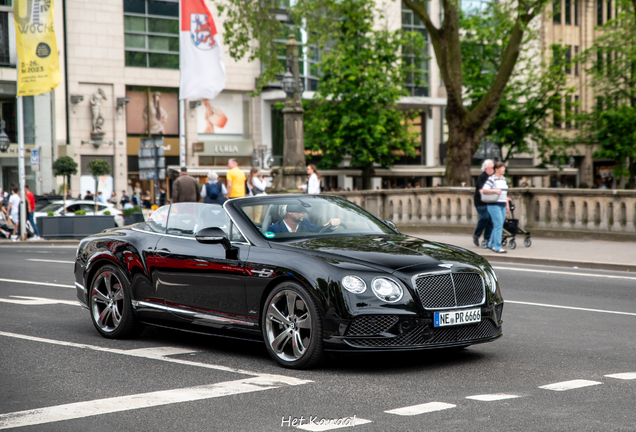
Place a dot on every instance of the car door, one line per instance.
(200, 282)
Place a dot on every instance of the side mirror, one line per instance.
(213, 236)
(390, 224)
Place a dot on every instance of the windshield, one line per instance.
(51, 208)
(281, 218)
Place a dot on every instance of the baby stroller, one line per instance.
(510, 230)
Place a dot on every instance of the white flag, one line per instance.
(201, 55)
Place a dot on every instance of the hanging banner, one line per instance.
(38, 63)
(200, 53)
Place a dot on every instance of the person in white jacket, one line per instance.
(312, 187)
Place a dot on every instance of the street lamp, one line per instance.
(4, 139)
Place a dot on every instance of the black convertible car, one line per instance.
(304, 273)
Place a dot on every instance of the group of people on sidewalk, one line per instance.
(10, 217)
(492, 211)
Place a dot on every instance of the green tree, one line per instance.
(354, 112)
(612, 69)
(98, 167)
(249, 21)
(64, 166)
(532, 92)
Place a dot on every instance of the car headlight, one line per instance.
(492, 280)
(354, 284)
(386, 289)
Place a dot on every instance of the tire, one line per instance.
(293, 339)
(527, 242)
(110, 304)
(513, 244)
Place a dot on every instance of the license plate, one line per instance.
(469, 316)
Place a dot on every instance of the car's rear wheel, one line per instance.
(110, 304)
(292, 328)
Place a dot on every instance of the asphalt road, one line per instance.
(571, 330)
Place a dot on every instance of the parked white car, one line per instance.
(87, 206)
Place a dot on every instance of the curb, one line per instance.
(39, 243)
(561, 263)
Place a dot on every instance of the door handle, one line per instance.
(163, 250)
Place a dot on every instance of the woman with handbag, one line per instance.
(495, 194)
(256, 184)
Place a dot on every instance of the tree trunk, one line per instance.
(367, 172)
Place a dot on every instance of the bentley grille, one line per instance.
(450, 290)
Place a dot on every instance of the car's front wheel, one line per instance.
(292, 328)
(110, 304)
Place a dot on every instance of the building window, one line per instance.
(568, 12)
(556, 111)
(576, 12)
(568, 59)
(576, 112)
(5, 46)
(609, 10)
(599, 12)
(556, 11)
(410, 22)
(576, 62)
(568, 112)
(151, 33)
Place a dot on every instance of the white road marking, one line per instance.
(137, 401)
(161, 351)
(36, 301)
(570, 385)
(137, 353)
(623, 376)
(492, 397)
(565, 273)
(37, 283)
(570, 307)
(331, 424)
(51, 261)
(421, 409)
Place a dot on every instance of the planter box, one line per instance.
(133, 218)
(73, 227)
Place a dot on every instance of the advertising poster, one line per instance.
(163, 116)
(222, 116)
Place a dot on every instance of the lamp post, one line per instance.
(293, 171)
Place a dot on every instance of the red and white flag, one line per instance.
(201, 55)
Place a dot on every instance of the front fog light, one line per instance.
(354, 284)
(387, 290)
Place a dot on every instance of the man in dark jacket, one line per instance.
(485, 223)
(185, 188)
(295, 221)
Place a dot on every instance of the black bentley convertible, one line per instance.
(305, 273)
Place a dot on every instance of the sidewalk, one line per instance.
(591, 254)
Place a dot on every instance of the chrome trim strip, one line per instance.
(80, 287)
(199, 315)
(483, 287)
(184, 237)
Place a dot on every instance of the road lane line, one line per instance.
(138, 353)
(36, 301)
(624, 376)
(571, 307)
(492, 397)
(137, 401)
(564, 273)
(37, 283)
(331, 424)
(570, 385)
(421, 409)
(51, 261)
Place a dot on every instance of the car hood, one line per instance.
(386, 252)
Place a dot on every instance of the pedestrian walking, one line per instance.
(485, 222)
(497, 185)
(235, 180)
(213, 192)
(162, 197)
(256, 184)
(312, 187)
(185, 188)
(89, 196)
(4, 221)
(113, 199)
(14, 211)
(30, 199)
(125, 199)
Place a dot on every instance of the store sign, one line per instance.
(228, 148)
(14, 152)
